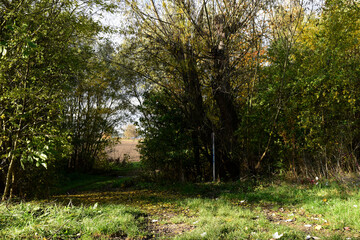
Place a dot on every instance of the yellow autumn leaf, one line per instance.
(318, 227)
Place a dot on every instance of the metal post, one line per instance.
(213, 147)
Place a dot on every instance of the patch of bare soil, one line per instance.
(125, 150)
(161, 224)
(168, 229)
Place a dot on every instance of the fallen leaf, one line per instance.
(308, 237)
(307, 225)
(277, 236)
(318, 227)
(346, 228)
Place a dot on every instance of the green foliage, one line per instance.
(95, 106)
(313, 84)
(166, 147)
(41, 45)
(202, 60)
(281, 94)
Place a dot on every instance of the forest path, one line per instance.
(161, 208)
(227, 210)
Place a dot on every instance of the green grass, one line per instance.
(77, 181)
(129, 168)
(120, 175)
(49, 220)
(187, 211)
(218, 219)
(242, 211)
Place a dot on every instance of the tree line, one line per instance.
(276, 82)
(59, 92)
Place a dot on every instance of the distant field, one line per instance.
(126, 146)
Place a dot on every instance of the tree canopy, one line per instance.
(271, 79)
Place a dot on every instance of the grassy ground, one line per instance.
(121, 208)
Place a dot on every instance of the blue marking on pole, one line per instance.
(213, 147)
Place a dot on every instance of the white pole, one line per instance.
(213, 147)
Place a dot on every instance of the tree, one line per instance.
(95, 106)
(288, 21)
(130, 131)
(275, 81)
(165, 146)
(197, 53)
(311, 74)
(40, 45)
(330, 88)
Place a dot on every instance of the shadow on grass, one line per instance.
(89, 189)
(100, 180)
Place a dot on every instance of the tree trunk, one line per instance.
(193, 101)
(9, 175)
(222, 93)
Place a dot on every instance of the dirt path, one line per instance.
(166, 215)
(161, 208)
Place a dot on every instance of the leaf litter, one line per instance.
(162, 207)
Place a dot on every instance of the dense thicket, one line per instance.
(49, 73)
(276, 82)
